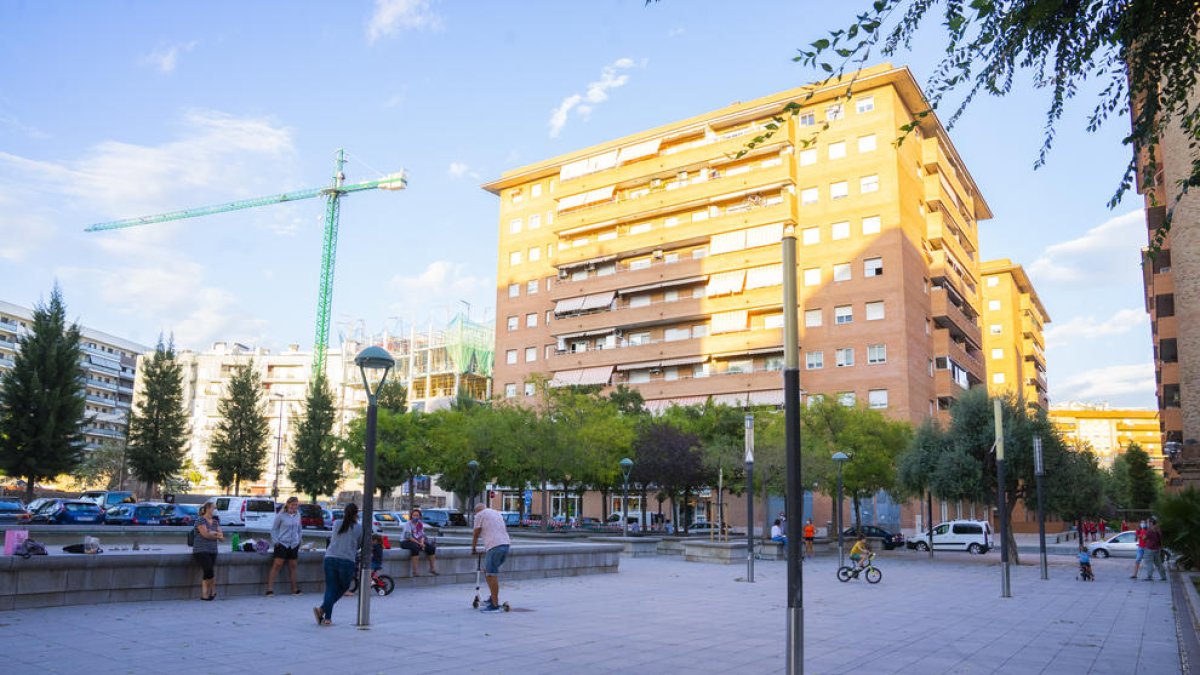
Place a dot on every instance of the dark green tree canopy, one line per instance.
(158, 427)
(238, 450)
(316, 464)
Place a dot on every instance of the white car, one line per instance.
(255, 513)
(1123, 545)
(972, 536)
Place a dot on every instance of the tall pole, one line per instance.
(625, 508)
(474, 468)
(278, 451)
(1005, 590)
(750, 497)
(795, 485)
(368, 515)
(1039, 470)
(841, 534)
(929, 502)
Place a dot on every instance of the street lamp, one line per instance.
(840, 458)
(1039, 470)
(626, 467)
(278, 448)
(750, 497)
(791, 444)
(373, 363)
(473, 466)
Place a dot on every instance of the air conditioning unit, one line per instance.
(658, 254)
(562, 274)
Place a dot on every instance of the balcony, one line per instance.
(1038, 381)
(948, 315)
(943, 345)
(686, 309)
(942, 234)
(933, 156)
(945, 386)
(689, 389)
(99, 384)
(661, 237)
(664, 201)
(944, 265)
(658, 350)
(1034, 354)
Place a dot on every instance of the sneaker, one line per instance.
(490, 608)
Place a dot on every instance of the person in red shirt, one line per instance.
(1154, 551)
(1141, 549)
(810, 533)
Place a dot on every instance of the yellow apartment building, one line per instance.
(1013, 322)
(1108, 431)
(653, 260)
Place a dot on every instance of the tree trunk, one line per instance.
(545, 507)
(766, 515)
(1013, 556)
(643, 509)
(857, 513)
(412, 491)
(237, 485)
(604, 505)
(28, 489)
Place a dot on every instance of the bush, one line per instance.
(1179, 517)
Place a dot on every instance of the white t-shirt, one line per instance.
(776, 531)
(491, 528)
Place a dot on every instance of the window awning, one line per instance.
(686, 281)
(591, 196)
(750, 352)
(582, 376)
(598, 300)
(737, 400)
(639, 366)
(725, 283)
(685, 361)
(638, 150)
(590, 261)
(569, 305)
(565, 378)
(588, 333)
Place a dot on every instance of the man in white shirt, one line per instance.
(489, 525)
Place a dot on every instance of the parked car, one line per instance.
(256, 513)
(388, 519)
(886, 539)
(315, 517)
(1123, 545)
(106, 499)
(376, 525)
(12, 512)
(68, 512)
(973, 536)
(444, 517)
(180, 514)
(36, 504)
(143, 513)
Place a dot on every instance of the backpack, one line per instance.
(29, 548)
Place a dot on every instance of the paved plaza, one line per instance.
(657, 615)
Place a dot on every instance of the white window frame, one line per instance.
(510, 357)
(867, 143)
(843, 315)
(871, 225)
(812, 276)
(837, 150)
(839, 230)
(872, 267)
(839, 189)
(812, 318)
(877, 399)
(844, 357)
(875, 310)
(814, 360)
(808, 157)
(864, 104)
(868, 184)
(810, 236)
(842, 272)
(876, 354)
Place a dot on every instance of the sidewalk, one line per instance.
(656, 615)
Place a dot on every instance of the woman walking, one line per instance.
(340, 565)
(285, 532)
(204, 549)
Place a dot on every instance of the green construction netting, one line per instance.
(471, 346)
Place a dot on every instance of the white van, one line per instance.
(255, 513)
(972, 536)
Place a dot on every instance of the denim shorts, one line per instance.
(1141, 553)
(494, 558)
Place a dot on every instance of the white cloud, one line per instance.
(441, 285)
(460, 169)
(394, 16)
(1093, 258)
(164, 60)
(1111, 382)
(1066, 334)
(595, 94)
(675, 32)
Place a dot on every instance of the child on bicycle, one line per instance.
(376, 555)
(1085, 564)
(861, 550)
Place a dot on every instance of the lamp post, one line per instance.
(278, 448)
(373, 363)
(1001, 499)
(1039, 470)
(840, 458)
(473, 466)
(626, 467)
(750, 497)
(791, 444)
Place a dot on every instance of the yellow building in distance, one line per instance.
(1108, 431)
(1013, 345)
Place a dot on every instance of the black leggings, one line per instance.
(207, 562)
(415, 549)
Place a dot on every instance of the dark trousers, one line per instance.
(338, 575)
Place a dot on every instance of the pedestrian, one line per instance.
(1154, 551)
(1103, 528)
(340, 558)
(778, 533)
(415, 542)
(204, 549)
(285, 534)
(1141, 549)
(810, 534)
(489, 526)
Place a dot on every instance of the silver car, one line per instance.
(1123, 545)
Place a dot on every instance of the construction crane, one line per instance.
(333, 195)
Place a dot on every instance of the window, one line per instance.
(535, 254)
(673, 334)
(529, 389)
(606, 270)
(642, 300)
(514, 258)
(808, 196)
(868, 184)
(535, 221)
(814, 360)
(995, 329)
(877, 398)
(865, 144)
(808, 119)
(841, 272)
(876, 354)
(699, 330)
(812, 318)
(870, 225)
(837, 150)
(514, 290)
(510, 390)
(997, 353)
(810, 236)
(549, 315)
(671, 296)
(930, 364)
(671, 222)
(515, 227)
(839, 190)
(808, 157)
(510, 357)
(812, 276)
(875, 310)
(636, 339)
(864, 105)
(773, 321)
(640, 228)
(993, 282)
(531, 320)
(873, 267)
(994, 305)
(740, 366)
(639, 376)
(833, 112)
(847, 398)
(698, 253)
(843, 314)
(530, 354)
(840, 230)
(512, 323)
(531, 287)
(639, 264)
(773, 364)
(998, 378)
(670, 374)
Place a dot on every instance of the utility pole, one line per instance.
(795, 483)
(1005, 589)
(278, 449)
(1039, 470)
(750, 497)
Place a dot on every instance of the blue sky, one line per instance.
(118, 109)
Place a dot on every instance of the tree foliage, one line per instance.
(1179, 516)
(238, 450)
(103, 467)
(316, 463)
(158, 426)
(1145, 483)
(42, 404)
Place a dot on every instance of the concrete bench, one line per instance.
(718, 552)
(633, 547)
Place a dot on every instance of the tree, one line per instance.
(674, 458)
(1144, 482)
(105, 466)
(316, 463)
(401, 448)
(1144, 53)
(42, 404)
(238, 450)
(158, 427)
(1179, 516)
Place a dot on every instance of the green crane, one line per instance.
(333, 195)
